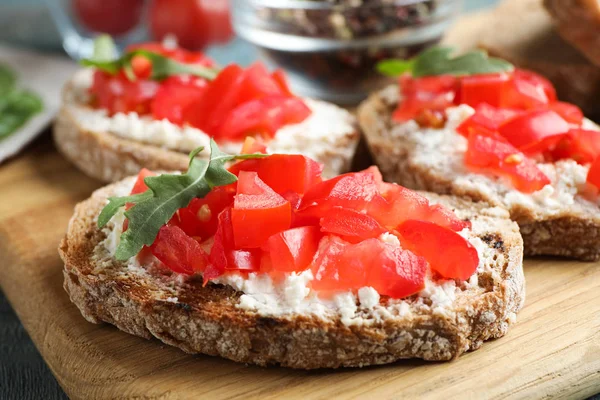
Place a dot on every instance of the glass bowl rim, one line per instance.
(322, 5)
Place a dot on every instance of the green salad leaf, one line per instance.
(166, 194)
(439, 61)
(17, 106)
(104, 58)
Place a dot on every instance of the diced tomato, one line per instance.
(179, 252)
(397, 273)
(528, 90)
(253, 145)
(352, 225)
(353, 190)
(434, 93)
(593, 176)
(140, 186)
(200, 217)
(580, 145)
(443, 216)
(279, 76)
(388, 269)
(448, 253)
(293, 249)
(488, 89)
(258, 212)
(397, 206)
(569, 112)
(283, 172)
(116, 93)
(257, 84)
(332, 270)
(175, 95)
(224, 256)
(486, 118)
(535, 131)
(210, 111)
(175, 53)
(500, 157)
(263, 116)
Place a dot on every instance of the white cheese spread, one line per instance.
(329, 135)
(442, 151)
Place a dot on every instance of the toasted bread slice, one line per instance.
(521, 31)
(440, 323)
(578, 22)
(112, 148)
(557, 220)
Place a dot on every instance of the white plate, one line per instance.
(44, 75)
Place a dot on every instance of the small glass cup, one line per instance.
(78, 40)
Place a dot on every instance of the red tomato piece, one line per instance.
(279, 76)
(434, 93)
(398, 205)
(293, 250)
(116, 93)
(257, 84)
(333, 271)
(253, 145)
(443, 216)
(258, 212)
(263, 116)
(448, 253)
(352, 225)
(353, 190)
(396, 273)
(114, 17)
(224, 256)
(283, 172)
(486, 118)
(528, 90)
(535, 131)
(200, 217)
(593, 176)
(496, 155)
(580, 145)
(140, 186)
(174, 96)
(183, 18)
(569, 112)
(179, 252)
(488, 89)
(210, 111)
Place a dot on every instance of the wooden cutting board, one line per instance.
(553, 350)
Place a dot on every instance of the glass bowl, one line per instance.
(329, 48)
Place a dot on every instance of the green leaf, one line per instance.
(114, 203)
(162, 67)
(439, 61)
(167, 193)
(7, 79)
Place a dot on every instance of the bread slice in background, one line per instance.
(208, 320)
(83, 135)
(522, 32)
(578, 22)
(434, 161)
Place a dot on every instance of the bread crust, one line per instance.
(110, 158)
(574, 234)
(206, 319)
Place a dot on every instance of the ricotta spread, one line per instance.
(442, 151)
(329, 135)
(292, 295)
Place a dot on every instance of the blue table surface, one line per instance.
(23, 373)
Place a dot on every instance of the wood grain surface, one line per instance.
(552, 351)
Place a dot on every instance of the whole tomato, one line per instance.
(114, 17)
(195, 23)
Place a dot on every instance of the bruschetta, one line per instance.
(293, 270)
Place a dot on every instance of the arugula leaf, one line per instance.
(167, 193)
(439, 61)
(17, 106)
(162, 67)
(7, 79)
